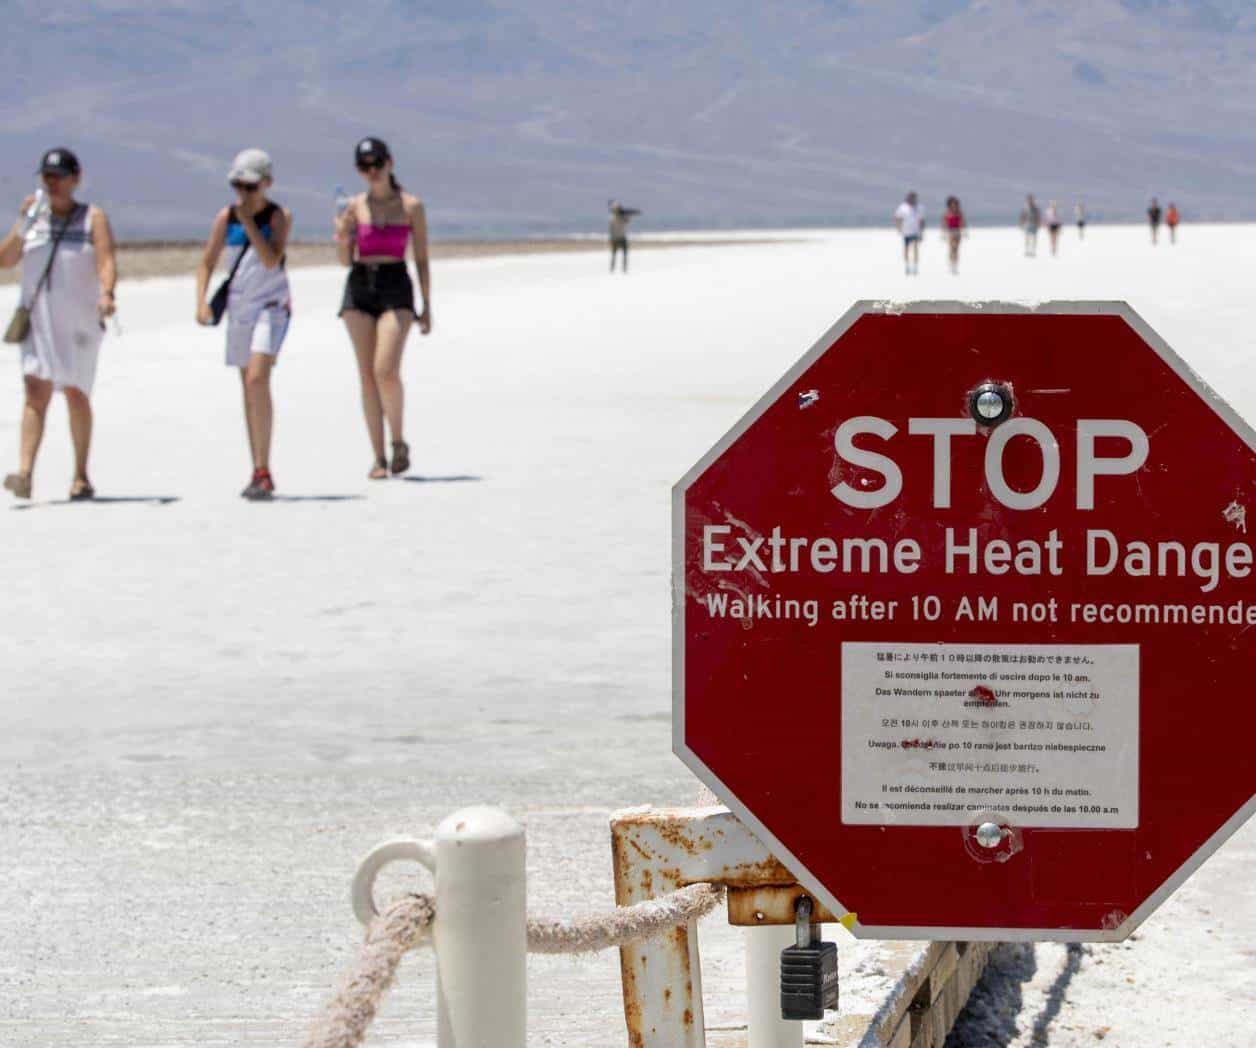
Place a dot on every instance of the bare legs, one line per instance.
(34, 411)
(390, 340)
(378, 345)
(34, 414)
(911, 255)
(80, 410)
(259, 410)
(362, 333)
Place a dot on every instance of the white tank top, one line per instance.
(72, 283)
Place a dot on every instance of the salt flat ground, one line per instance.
(212, 708)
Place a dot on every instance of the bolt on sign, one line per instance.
(964, 620)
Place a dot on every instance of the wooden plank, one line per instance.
(943, 970)
(931, 985)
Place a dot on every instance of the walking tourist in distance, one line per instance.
(617, 228)
(909, 220)
(372, 234)
(1153, 218)
(1171, 219)
(1053, 220)
(1079, 216)
(1030, 220)
(255, 298)
(69, 272)
(953, 226)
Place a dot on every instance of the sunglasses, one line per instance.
(248, 187)
(371, 165)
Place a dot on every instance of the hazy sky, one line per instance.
(527, 117)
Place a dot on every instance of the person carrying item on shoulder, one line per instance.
(617, 228)
(69, 274)
(372, 234)
(256, 298)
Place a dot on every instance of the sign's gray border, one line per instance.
(862, 308)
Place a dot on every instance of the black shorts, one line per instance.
(375, 288)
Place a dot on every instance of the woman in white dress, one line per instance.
(69, 271)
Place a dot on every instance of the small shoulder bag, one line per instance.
(218, 304)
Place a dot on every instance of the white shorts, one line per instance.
(258, 330)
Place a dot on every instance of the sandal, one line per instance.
(19, 484)
(379, 471)
(81, 490)
(401, 456)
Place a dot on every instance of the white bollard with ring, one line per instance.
(480, 933)
(764, 1026)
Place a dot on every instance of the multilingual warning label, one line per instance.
(1038, 734)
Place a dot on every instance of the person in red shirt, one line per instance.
(1171, 219)
(953, 226)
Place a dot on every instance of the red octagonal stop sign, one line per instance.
(965, 620)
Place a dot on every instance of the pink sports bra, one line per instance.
(382, 240)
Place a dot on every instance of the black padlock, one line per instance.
(808, 970)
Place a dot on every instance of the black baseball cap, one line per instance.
(371, 149)
(59, 161)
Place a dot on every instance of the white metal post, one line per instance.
(764, 1026)
(481, 933)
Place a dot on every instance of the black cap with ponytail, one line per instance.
(375, 149)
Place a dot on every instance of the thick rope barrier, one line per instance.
(391, 935)
(624, 924)
(408, 923)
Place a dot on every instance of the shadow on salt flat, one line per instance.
(455, 478)
(313, 498)
(992, 1014)
(996, 1012)
(1057, 992)
(104, 500)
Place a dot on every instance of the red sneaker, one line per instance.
(262, 486)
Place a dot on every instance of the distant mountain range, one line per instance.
(525, 118)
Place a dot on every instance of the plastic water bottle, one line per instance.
(39, 207)
(342, 200)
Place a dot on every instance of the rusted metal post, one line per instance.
(656, 852)
(662, 977)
